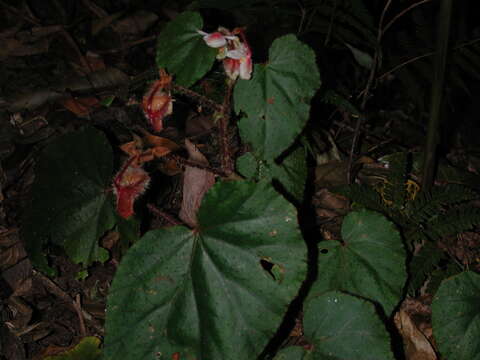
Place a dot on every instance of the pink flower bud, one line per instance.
(130, 182)
(214, 40)
(157, 104)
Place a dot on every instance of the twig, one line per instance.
(365, 93)
(330, 25)
(396, 17)
(468, 43)
(53, 288)
(226, 160)
(202, 100)
(78, 308)
(167, 217)
(128, 45)
(185, 162)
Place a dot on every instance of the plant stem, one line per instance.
(429, 161)
(226, 160)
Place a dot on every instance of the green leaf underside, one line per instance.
(276, 99)
(182, 50)
(456, 317)
(204, 293)
(291, 173)
(341, 326)
(370, 263)
(70, 203)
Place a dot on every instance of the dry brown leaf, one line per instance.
(196, 183)
(81, 106)
(415, 343)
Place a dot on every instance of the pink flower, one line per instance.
(235, 53)
(215, 39)
(231, 67)
(243, 57)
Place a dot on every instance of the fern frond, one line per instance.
(452, 222)
(395, 191)
(428, 204)
(363, 195)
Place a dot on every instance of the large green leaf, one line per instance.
(294, 353)
(370, 262)
(276, 99)
(205, 293)
(291, 173)
(342, 327)
(456, 317)
(182, 50)
(71, 206)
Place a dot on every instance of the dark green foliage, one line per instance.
(416, 41)
(342, 21)
(429, 217)
(394, 190)
(422, 265)
(332, 98)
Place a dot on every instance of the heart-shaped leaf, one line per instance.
(342, 327)
(276, 100)
(370, 262)
(182, 50)
(456, 317)
(216, 292)
(71, 206)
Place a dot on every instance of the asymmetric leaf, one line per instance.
(216, 292)
(369, 263)
(182, 50)
(71, 206)
(456, 317)
(276, 100)
(341, 327)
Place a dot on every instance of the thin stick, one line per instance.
(395, 18)
(185, 162)
(167, 217)
(78, 308)
(371, 77)
(227, 163)
(202, 100)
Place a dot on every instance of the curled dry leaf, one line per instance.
(148, 147)
(415, 343)
(196, 183)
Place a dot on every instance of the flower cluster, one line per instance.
(233, 50)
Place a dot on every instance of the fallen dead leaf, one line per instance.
(196, 183)
(415, 343)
